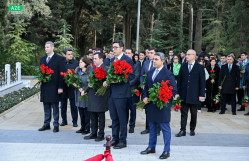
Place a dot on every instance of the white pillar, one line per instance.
(18, 71)
(7, 74)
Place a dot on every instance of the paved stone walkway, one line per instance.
(218, 137)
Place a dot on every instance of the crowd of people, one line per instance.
(195, 78)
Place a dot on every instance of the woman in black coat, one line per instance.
(213, 67)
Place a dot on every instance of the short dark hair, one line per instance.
(87, 61)
(143, 52)
(88, 52)
(120, 43)
(129, 49)
(152, 48)
(66, 50)
(244, 53)
(100, 55)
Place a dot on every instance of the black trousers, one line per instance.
(98, 123)
(48, 111)
(84, 118)
(240, 95)
(232, 98)
(184, 116)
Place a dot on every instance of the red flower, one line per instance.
(240, 63)
(245, 105)
(215, 103)
(126, 76)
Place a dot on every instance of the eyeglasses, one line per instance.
(115, 47)
(190, 54)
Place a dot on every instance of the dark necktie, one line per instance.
(189, 67)
(48, 59)
(156, 72)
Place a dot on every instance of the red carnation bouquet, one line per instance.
(160, 95)
(71, 78)
(44, 74)
(118, 72)
(95, 79)
(245, 99)
(135, 91)
(177, 103)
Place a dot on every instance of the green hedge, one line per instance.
(13, 98)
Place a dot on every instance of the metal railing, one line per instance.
(2, 77)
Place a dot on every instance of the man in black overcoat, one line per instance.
(191, 89)
(50, 91)
(97, 105)
(68, 91)
(230, 73)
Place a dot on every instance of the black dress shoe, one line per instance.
(110, 126)
(91, 136)
(120, 146)
(145, 131)
(222, 112)
(56, 129)
(100, 138)
(75, 125)
(164, 155)
(131, 130)
(84, 132)
(80, 130)
(234, 113)
(192, 133)
(148, 151)
(43, 128)
(181, 133)
(241, 109)
(63, 124)
(246, 114)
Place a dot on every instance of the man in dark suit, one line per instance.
(50, 91)
(97, 105)
(134, 83)
(231, 83)
(183, 58)
(142, 58)
(147, 66)
(155, 115)
(191, 88)
(68, 91)
(118, 101)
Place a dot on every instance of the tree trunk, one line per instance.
(127, 30)
(191, 27)
(154, 3)
(198, 31)
(95, 38)
(114, 31)
(181, 27)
